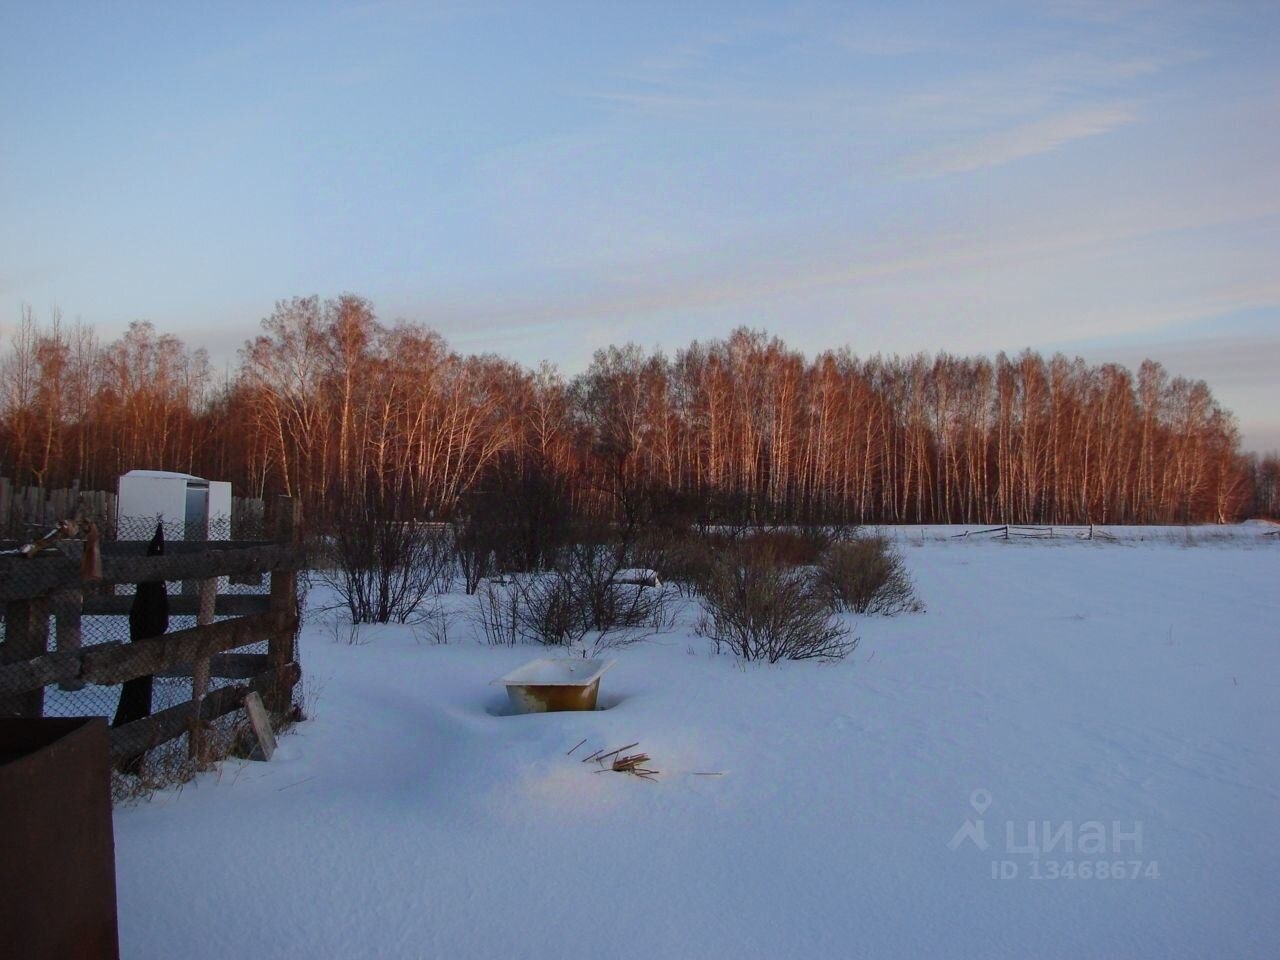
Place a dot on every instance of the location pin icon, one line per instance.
(980, 800)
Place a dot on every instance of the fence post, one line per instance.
(6, 505)
(67, 606)
(26, 637)
(208, 593)
(284, 603)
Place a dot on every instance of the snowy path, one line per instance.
(1070, 683)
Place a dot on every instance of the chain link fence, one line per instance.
(88, 614)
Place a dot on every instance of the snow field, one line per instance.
(1131, 685)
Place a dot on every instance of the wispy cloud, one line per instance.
(1025, 140)
(661, 103)
(653, 288)
(1099, 11)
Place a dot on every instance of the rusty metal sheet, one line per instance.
(57, 874)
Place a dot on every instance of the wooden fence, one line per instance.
(23, 507)
(1008, 531)
(50, 586)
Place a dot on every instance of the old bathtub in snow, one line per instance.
(546, 685)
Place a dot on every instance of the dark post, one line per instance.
(208, 592)
(67, 606)
(284, 604)
(26, 636)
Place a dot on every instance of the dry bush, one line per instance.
(680, 556)
(344, 632)
(867, 574)
(615, 611)
(530, 608)
(548, 612)
(437, 558)
(163, 767)
(381, 565)
(763, 610)
(477, 536)
(686, 557)
(792, 547)
(581, 596)
(499, 610)
(435, 623)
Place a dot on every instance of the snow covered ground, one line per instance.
(1121, 697)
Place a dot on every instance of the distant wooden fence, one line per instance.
(25, 507)
(49, 586)
(1006, 531)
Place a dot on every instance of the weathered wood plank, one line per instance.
(63, 668)
(200, 566)
(26, 675)
(226, 605)
(22, 578)
(174, 548)
(141, 735)
(224, 666)
(261, 724)
(117, 662)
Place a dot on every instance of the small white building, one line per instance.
(191, 508)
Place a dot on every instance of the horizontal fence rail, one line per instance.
(1006, 531)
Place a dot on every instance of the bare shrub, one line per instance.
(498, 605)
(381, 566)
(686, 557)
(867, 574)
(681, 557)
(437, 557)
(530, 608)
(582, 596)
(548, 611)
(790, 547)
(615, 611)
(435, 623)
(344, 631)
(762, 610)
(165, 767)
(380, 570)
(479, 534)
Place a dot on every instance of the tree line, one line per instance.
(327, 402)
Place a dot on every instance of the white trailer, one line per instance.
(191, 508)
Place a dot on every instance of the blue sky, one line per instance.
(543, 179)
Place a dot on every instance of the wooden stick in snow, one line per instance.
(613, 753)
(622, 764)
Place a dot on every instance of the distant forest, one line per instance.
(328, 402)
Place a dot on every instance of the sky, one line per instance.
(542, 179)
